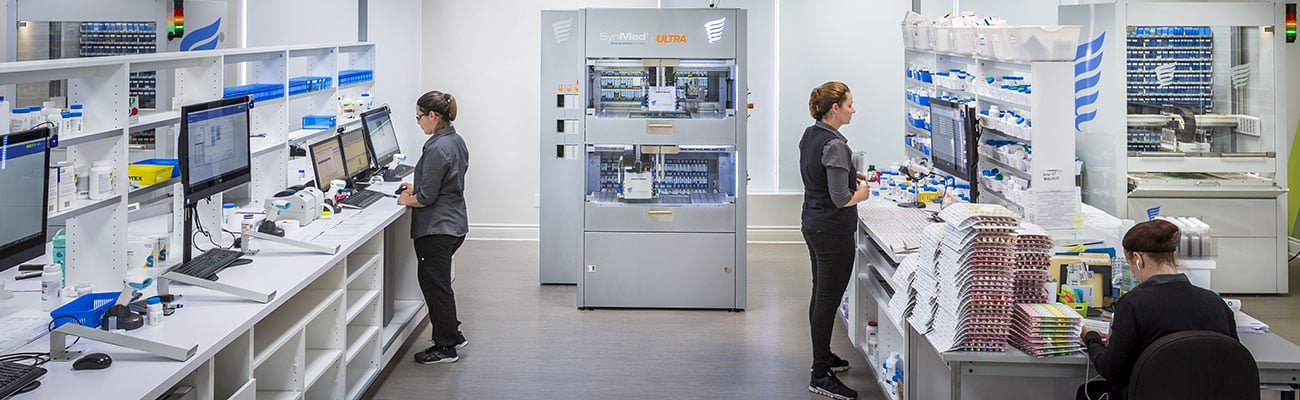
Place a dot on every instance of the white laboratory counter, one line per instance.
(324, 334)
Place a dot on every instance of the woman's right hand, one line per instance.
(404, 187)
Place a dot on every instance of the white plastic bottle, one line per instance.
(65, 124)
(101, 180)
(77, 123)
(56, 122)
(18, 120)
(5, 122)
(155, 311)
(51, 284)
(367, 102)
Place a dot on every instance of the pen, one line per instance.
(390, 196)
(28, 274)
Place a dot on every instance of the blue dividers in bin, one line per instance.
(88, 309)
(350, 76)
(176, 164)
(304, 84)
(259, 91)
(318, 121)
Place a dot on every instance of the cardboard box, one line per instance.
(52, 191)
(67, 186)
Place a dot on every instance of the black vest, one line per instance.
(820, 214)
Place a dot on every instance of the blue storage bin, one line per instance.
(88, 309)
(176, 164)
(318, 121)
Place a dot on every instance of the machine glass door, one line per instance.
(1201, 91)
(669, 89)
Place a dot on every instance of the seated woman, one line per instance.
(1163, 303)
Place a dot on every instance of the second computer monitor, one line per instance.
(214, 147)
(327, 160)
(356, 157)
(952, 139)
(378, 125)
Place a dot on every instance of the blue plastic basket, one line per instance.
(88, 309)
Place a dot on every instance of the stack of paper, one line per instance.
(1046, 329)
(973, 264)
(1033, 258)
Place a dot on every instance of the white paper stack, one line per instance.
(1033, 260)
(974, 282)
(1048, 329)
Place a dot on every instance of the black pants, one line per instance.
(832, 267)
(435, 253)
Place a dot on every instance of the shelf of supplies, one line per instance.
(403, 312)
(1154, 48)
(309, 135)
(1001, 102)
(1163, 61)
(920, 83)
(148, 192)
(1004, 166)
(262, 145)
(278, 395)
(913, 152)
(362, 335)
(917, 131)
(363, 299)
(985, 129)
(1158, 85)
(318, 361)
(914, 104)
(155, 120)
(91, 137)
(80, 207)
(1176, 73)
(272, 333)
(1011, 205)
(1170, 37)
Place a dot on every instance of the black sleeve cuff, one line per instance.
(1092, 337)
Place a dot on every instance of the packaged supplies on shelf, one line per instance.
(145, 174)
(305, 84)
(350, 76)
(174, 163)
(259, 91)
(318, 121)
(1046, 329)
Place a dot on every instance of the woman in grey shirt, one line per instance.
(438, 220)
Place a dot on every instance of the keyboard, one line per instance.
(396, 174)
(15, 376)
(207, 265)
(362, 198)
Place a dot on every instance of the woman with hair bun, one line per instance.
(832, 187)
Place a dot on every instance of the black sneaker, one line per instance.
(437, 355)
(461, 342)
(838, 364)
(826, 384)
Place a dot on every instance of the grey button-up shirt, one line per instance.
(838, 161)
(440, 186)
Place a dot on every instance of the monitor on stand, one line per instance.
(327, 162)
(952, 140)
(24, 173)
(213, 149)
(356, 157)
(378, 126)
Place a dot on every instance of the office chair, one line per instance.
(1195, 365)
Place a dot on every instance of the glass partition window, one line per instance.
(661, 89)
(1201, 90)
(657, 174)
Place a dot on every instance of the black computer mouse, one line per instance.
(93, 361)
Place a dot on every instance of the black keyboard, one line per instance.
(15, 376)
(362, 198)
(403, 170)
(207, 265)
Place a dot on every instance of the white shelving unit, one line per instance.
(1051, 170)
(328, 340)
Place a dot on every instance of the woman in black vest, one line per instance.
(832, 186)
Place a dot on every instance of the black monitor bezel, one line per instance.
(375, 158)
(966, 117)
(226, 181)
(19, 251)
(321, 184)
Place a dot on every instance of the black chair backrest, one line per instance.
(1195, 365)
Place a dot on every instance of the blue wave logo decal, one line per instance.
(1153, 212)
(204, 38)
(1087, 79)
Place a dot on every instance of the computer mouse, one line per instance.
(93, 361)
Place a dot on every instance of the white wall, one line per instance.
(286, 22)
(395, 28)
(858, 43)
(1021, 12)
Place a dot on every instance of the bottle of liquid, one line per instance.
(101, 180)
(51, 285)
(155, 311)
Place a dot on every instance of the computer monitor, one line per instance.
(378, 125)
(952, 139)
(327, 161)
(356, 155)
(24, 174)
(214, 147)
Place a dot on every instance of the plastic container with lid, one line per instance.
(101, 180)
(18, 120)
(155, 311)
(51, 285)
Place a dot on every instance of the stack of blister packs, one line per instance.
(1048, 329)
(1033, 258)
(900, 305)
(925, 283)
(973, 262)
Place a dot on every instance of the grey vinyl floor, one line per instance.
(529, 341)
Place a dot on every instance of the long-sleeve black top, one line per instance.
(1161, 305)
